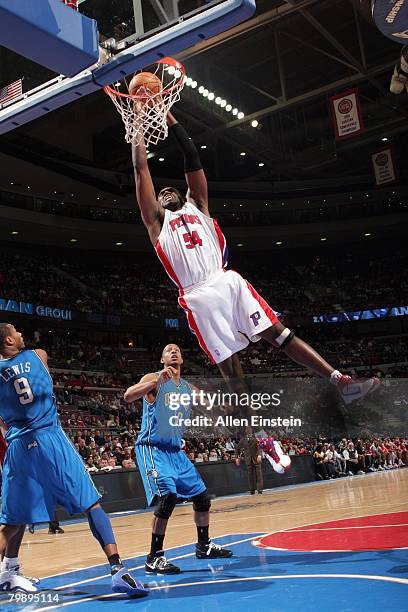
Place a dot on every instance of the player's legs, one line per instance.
(303, 354)
(158, 477)
(298, 351)
(156, 562)
(13, 545)
(7, 533)
(205, 548)
(190, 485)
(233, 374)
(68, 483)
(10, 560)
(10, 580)
(101, 528)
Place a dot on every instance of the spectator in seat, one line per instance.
(330, 461)
(339, 460)
(363, 458)
(320, 463)
(213, 456)
(230, 447)
(99, 439)
(112, 462)
(375, 450)
(83, 450)
(90, 465)
(351, 456)
(104, 465)
(111, 421)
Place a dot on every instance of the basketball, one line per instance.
(146, 80)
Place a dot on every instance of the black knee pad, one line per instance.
(287, 340)
(284, 338)
(166, 505)
(201, 502)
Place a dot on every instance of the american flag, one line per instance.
(11, 91)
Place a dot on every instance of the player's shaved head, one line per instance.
(5, 331)
(171, 355)
(15, 342)
(168, 347)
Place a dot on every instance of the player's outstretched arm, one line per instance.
(195, 176)
(152, 212)
(149, 383)
(146, 385)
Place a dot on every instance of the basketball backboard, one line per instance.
(129, 20)
(141, 32)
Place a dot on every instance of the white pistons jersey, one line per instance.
(191, 246)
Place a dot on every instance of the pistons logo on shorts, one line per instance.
(255, 318)
(153, 473)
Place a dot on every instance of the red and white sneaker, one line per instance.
(279, 461)
(352, 390)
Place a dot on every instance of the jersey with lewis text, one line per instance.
(27, 400)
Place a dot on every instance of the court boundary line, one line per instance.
(95, 597)
(391, 579)
(144, 553)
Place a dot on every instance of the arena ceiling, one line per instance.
(279, 68)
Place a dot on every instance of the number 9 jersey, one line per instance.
(191, 246)
(27, 400)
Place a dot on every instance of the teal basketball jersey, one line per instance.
(27, 400)
(160, 419)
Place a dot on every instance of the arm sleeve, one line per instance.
(192, 160)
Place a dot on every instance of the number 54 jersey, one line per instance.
(27, 400)
(191, 246)
(223, 310)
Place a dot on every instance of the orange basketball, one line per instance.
(146, 80)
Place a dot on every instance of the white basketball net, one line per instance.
(144, 114)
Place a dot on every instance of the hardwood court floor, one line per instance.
(275, 510)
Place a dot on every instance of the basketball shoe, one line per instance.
(122, 582)
(212, 551)
(279, 461)
(160, 565)
(11, 582)
(16, 569)
(352, 390)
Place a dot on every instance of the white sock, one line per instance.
(335, 376)
(9, 562)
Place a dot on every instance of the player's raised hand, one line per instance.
(171, 120)
(166, 374)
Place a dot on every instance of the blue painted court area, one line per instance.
(253, 579)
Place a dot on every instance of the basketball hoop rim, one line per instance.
(167, 61)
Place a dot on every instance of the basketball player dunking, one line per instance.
(166, 471)
(41, 466)
(223, 310)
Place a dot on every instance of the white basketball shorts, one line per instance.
(225, 313)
